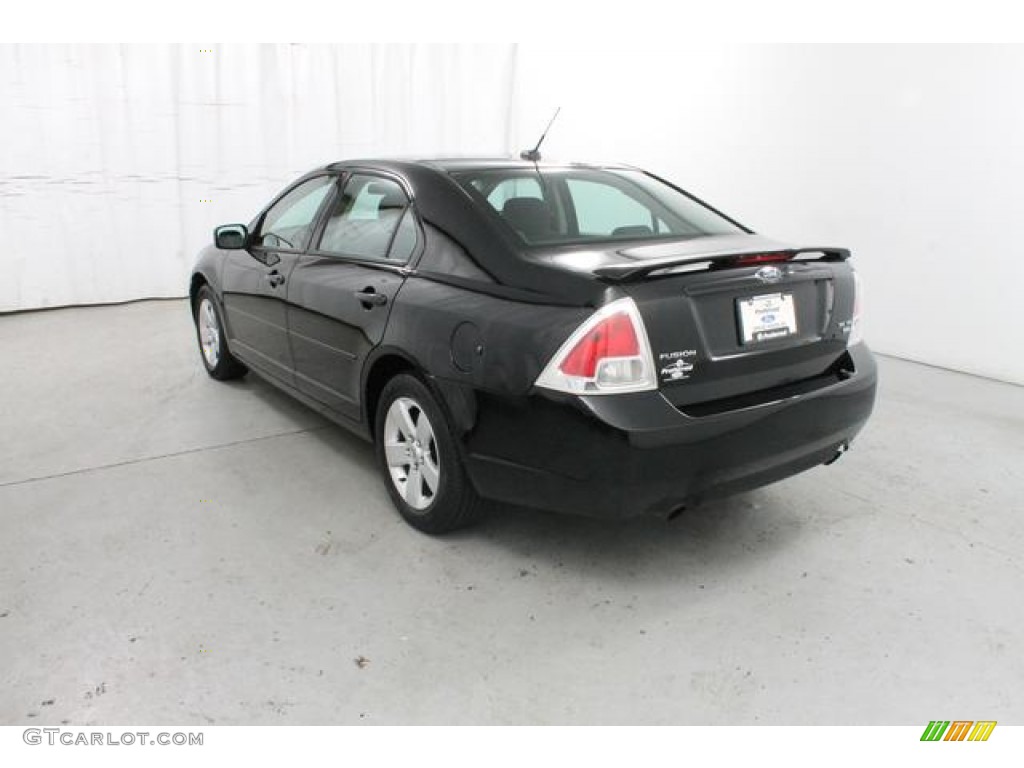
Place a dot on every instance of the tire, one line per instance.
(419, 459)
(213, 344)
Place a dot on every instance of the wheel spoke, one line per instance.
(405, 423)
(397, 454)
(423, 431)
(414, 488)
(431, 475)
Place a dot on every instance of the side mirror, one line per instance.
(231, 237)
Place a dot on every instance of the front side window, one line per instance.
(363, 221)
(289, 221)
(562, 206)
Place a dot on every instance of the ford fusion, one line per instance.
(576, 338)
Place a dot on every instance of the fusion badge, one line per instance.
(675, 366)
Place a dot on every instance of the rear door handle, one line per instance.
(275, 278)
(370, 298)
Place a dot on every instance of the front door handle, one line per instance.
(370, 298)
(275, 278)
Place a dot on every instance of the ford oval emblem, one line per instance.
(769, 274)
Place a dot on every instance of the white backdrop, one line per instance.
(911, 155)
(117, 161)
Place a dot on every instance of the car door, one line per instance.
(255, 280)
(341, 293)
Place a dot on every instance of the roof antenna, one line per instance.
(533, 155)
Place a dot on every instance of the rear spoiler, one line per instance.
(624, 273)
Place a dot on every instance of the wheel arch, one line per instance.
(458, 401)
(195, 285)
(384, 366)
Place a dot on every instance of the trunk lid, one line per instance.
(734, 320)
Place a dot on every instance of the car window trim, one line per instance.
(339, 180)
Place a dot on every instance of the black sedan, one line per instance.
(587, 339)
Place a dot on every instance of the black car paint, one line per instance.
(479, 315)
(613, 456)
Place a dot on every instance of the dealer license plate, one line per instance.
(768, 317)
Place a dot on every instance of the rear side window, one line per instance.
(404, 242)
(365, 218)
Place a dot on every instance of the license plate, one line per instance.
(768, 317)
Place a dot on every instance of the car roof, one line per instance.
(456, 164)
(481, 163)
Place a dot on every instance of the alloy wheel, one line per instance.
(209, 333)
(410, 449)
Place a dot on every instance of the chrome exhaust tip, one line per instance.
(843, 448)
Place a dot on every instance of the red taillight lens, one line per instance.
(608, 353)
(613, 337)
(761, 258)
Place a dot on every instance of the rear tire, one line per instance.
(213, 343)
(417, 455)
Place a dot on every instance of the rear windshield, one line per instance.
(562, 206)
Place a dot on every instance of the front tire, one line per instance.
(417, 454)
(213, 345)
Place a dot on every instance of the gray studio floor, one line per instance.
(178, 551)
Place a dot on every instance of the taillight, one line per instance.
(856, 328)
(609, 353)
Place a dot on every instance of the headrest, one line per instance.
(638, 230)
(391, 196)
(530, 215)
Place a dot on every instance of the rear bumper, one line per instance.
(627, 455)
